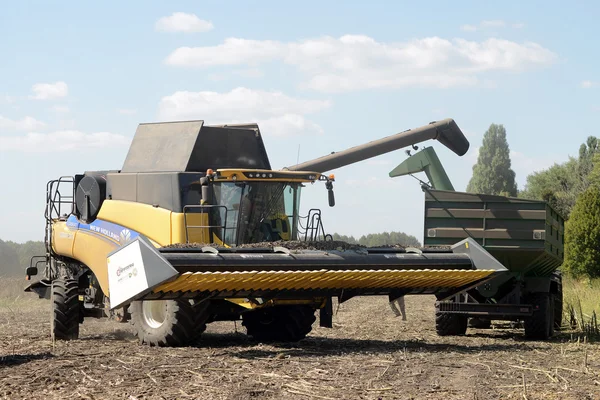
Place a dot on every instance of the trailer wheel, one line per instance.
(540, 325)
(279, 323)
(558, 310)
(167, 323)
(447, 324)
(66, 313)
(480, 323)
(557, 299)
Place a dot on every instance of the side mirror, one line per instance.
(31, 271)
(331, 197)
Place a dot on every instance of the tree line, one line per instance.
(380, 239)
(14, 257)
(572, 188)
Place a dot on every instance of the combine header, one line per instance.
(197, 227)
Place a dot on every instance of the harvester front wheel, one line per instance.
(279, 323)
(64, 324)
(449, 324)
(169, 323)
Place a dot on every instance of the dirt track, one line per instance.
(369, 354)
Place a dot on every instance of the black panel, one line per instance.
(220, 148)
(168, 190)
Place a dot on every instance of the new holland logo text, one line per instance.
(104, 232)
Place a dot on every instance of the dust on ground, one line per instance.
(369, 354)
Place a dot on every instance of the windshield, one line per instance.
(256, 211)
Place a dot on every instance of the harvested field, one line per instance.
(369, 354)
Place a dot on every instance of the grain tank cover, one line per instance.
(191, 146)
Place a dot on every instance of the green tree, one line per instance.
(582, 236)
(559, 185)
(492, 174)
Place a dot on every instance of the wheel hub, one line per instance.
(154, 312)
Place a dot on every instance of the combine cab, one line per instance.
(197, 227)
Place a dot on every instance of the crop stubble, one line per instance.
(369, 354)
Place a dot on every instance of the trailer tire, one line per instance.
(540, 326)
(66, 312)
(167, 323)
(447, 324)
(480, 323)
(557, 299)
(279, 323)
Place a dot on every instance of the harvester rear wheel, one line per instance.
(541, 324)
(167, 323)
(447, 324)
(64, 323)
(279, 323)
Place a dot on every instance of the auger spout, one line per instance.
(445, 131)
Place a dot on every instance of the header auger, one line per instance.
(197, 227)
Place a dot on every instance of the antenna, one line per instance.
(298, 156)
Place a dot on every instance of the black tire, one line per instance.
(447, 324)
(66, 314)
(279, 323)
(540, 326)
(167, 323)
(480, 323)
(557, 299)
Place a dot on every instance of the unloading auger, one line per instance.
(197, 227)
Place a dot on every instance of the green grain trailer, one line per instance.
(526, 236)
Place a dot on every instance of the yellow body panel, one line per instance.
(87, 247)
(153, 222)
(162, 227)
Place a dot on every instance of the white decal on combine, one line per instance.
(133, 270)
(125, 236)
(104, 232)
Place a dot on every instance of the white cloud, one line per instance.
(48, 91)
(6, 99)
(589, 84)
(354, 62)
(250, 73)
(233, 51)
(496, 23)
(126, 111)
(60, 109)
(62, 141)
(275, 112)
(24, 124)
(182, 22)
(491, 24)
(468, 28)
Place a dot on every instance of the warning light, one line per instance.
(332, 177)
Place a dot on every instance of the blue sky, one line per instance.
(77, 78)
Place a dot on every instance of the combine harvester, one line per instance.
(172, 241)
(526, 236)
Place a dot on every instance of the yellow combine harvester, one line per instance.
(172, 241)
